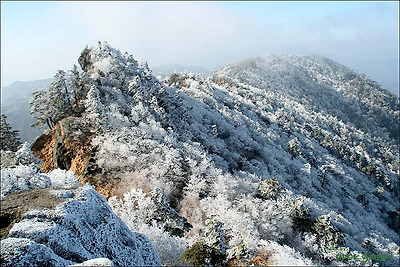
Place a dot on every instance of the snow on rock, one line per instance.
(23, 173)
(96, 262)
(22, 178)
(63, 179)
(80, 229)
(20, 171)
(25, 252)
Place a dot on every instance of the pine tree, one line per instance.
(9, 138)
(73, 85)
(52, 105)
(59, 97)
(40, 108)
(94, 107)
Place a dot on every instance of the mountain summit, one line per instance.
(278, 159)
(323, 85)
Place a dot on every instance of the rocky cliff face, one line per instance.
(58, 150)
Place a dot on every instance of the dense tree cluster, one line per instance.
(63, 98)
(9, 139)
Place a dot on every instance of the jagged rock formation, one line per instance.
(327, 134)
(68, 144)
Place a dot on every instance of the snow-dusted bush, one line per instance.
(22, 178)
(24, 173)
(201, 254)
(269, 189)
(169, 247)
(141, 213)
(63, 179)
(283, 255)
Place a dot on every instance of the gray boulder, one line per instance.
(81, 228)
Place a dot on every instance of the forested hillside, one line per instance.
(278, 159)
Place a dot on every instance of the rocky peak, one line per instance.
(104, 59)
(108, 64)
(108, 92)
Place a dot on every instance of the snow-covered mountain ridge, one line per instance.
(273, 160)
(322, 84)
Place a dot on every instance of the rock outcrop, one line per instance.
(14, 206)
(80, 228)
(58, 150)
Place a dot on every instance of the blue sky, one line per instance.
(40, 37)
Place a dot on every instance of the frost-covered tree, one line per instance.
(10, 140)
(40, 108)
(210, 249)
(74, 84)
(51, 105)
(60, 104)
(94, 107)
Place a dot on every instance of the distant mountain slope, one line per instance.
(20, 89)
(15, 104)
(340, 109)
(282, 159)
(322, 84)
